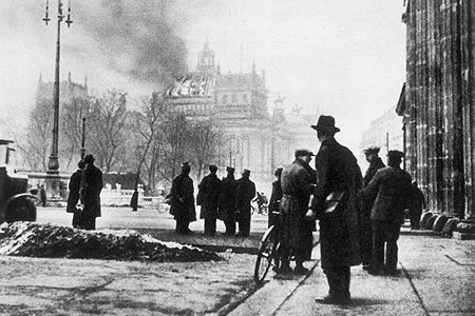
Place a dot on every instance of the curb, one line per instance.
(275, 292)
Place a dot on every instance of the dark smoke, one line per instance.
(135, 38)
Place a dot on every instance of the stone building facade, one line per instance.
(438, 104)
(237, 102)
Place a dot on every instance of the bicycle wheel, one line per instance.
(267, 252)
(265, 210)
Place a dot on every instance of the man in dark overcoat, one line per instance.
(73, 197)
(275, 198)
(366, 233)
(182, 200)
(417, 206)
(208, 194)
(90, 194)
(297, 238)
(43, 195)
(246, 191)
(227, 202)
(337, 173)
(391, 191)
(134, 200)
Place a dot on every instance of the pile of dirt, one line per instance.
(29, 239)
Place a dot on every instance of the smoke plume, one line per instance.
(135, 38)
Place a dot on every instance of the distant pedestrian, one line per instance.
(261, 200)
(416, 207)
(43, 195)
(365, 229)
(246, 191)
(208, 197)
(297, 238)
(275, 197)
(227, 202)
(134, 200)
(182, 200)
(391, 192)
(90, 194)
(73, 197)
(338, 181)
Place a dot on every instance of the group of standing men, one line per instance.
(388, 192)
(358, 216)
(228, 200)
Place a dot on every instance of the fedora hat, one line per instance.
(326, 124)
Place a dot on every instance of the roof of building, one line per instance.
(191, 85)
(238, 80)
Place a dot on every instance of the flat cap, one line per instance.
(395, 154)
(303, 152)
(371, 150)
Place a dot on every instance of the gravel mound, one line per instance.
(29, 239)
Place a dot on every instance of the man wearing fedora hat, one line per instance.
(246, 191)
(227, 202)
(338, 174)
(208, 197)
(366, 233)
(90, 194)
(183, 201)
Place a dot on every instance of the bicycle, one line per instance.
(268, 254)
(261, 209)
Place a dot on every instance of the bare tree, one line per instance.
(145, 127)
(106, 132)
(35, 148)
(71, 128)
(207, 137)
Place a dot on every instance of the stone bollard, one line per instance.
(439, 223)
(450, 226)
(424, 217)
(466, 228)
(430, 221)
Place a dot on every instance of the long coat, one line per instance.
(392, 191)
(337, 170)
(227, 199)
(182, 199)
(92, 189)
(274, 202)
(246, 191)
(371, 171)
(209, 192)
(296, 187)
(74, 186)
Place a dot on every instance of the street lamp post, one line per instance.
(53, 163)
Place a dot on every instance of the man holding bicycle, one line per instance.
(297, 237)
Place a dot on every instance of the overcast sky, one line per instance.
(344, 58)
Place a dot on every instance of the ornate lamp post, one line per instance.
(53, 163)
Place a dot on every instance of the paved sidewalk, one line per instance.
(437, 279)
